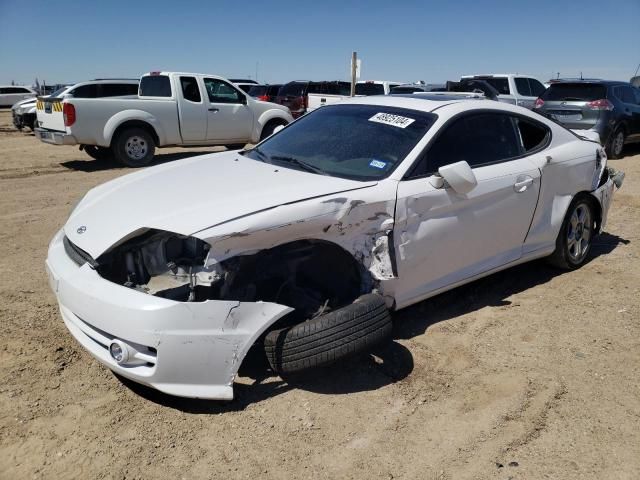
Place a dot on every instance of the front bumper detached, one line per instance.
(188, 349)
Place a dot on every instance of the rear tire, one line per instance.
(576, 235)
(97, 153)
(615, 146)
(134, 147)
(328, 338)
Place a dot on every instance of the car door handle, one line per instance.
(522, 184)
(214, 110)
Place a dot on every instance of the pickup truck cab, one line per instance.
(171, 108)
(522, 90)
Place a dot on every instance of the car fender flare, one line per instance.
(132, 115)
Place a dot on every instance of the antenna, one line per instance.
(637, 70)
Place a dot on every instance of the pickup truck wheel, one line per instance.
(134, 147)
(268, 129)
(97, 153)
(576, 234)
(328, 338)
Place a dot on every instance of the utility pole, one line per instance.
(354, 65)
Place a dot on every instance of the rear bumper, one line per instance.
(54, 137)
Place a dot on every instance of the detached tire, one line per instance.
(97, 153)
(328, 338)
(134, 147)
(576, 235)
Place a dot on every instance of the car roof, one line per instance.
(414, 102)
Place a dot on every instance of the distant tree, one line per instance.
(13, 82)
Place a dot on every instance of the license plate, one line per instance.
(47, 108)
(568, 117)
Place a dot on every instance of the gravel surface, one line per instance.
(528, 374)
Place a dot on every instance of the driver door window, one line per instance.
(219, 91)
(479, 139)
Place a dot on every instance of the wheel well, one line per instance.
(308, 275)
(136, 124)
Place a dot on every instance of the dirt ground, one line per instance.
(528, 374)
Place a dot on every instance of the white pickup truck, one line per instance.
(185, 109)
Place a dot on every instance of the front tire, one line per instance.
(329, 338)
(576, 235)
(616, 144)
(268, 129)
(134, 147)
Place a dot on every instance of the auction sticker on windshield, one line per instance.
(393, 120)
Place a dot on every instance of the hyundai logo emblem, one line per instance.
(81, 230)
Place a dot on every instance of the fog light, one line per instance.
(119, 351)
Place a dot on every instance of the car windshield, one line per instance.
(585, 92)
(359, 142)
(369, 89)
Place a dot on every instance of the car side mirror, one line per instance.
(458, 176)
(243, 99)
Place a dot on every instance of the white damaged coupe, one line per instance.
(303, 244)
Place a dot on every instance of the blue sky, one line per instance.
(404, 40)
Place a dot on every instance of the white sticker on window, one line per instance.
(390, 119)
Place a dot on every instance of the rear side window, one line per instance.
(155, 86)
(537, 88)
(578, 92)
(117, 89)
(500, 84)
(522, 85)
(626, 94)
(318, 87)
(532, 135)
(190, 90)
(400, 90)
(369, 89)
(14, 90)
(86, 91)
(273, 89)
(293, 89)
(479, 139)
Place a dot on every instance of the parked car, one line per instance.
(302, 96)
(303, 243)
(244, 84)
(266, 93)
(25, 112)
(375, 87)
(611, 109)
(171, 109)
(417, 87)
(513, 88)
(10, 94)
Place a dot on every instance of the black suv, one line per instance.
(610, 108)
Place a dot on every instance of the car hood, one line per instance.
(188, 196)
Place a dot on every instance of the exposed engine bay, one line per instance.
(313, 277)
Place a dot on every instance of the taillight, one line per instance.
(539, 103)
(602, 104)
(69, 114)
(264, 98)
